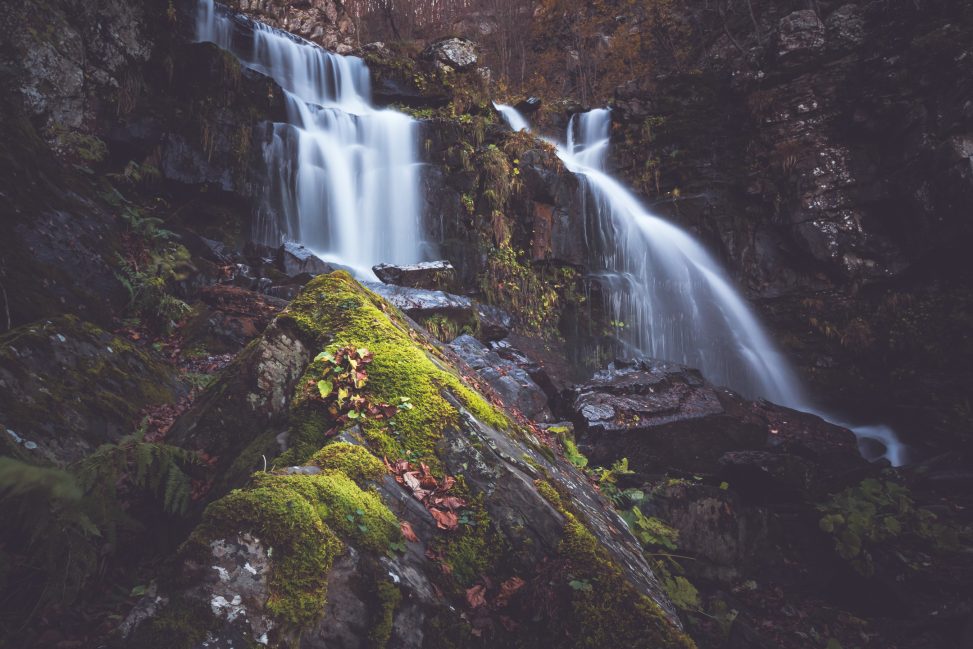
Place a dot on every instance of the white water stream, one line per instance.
(667, 295)
(344, 177)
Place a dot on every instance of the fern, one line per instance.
(149, 466)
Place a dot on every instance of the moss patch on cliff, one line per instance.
(303, 546)
(606, 609)
(355, 514)
(336, 312)
(353, 460)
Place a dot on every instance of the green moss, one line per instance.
(303, 546)
(336, 312)
(355, 514)
(353, 460)
(388, 596)
(472, 551)
(606, 609)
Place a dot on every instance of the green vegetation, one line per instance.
(60, 524)
(864, 518)
(353, 460)
(607, 609)
(303, 546)
(338, 312)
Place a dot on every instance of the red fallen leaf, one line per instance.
(448, 482)
(451, 502)
(446, 568)
(445, 520)
(507, 590)
(508, 624)
(476, 596)
(429, 482)
(408, 532)
(388, 467)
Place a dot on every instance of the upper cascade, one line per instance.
(344, 177)
(668, 297)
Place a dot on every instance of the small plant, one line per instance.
(343, 379)
(861, 519)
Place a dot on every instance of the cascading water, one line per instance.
(670, 297)
(344, 177)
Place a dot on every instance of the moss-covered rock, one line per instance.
(335, 311)
(354, 461)
(463, 512)
(67, 386)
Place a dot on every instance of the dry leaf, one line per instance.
(445, 520)
(408, 532)
(476, 596)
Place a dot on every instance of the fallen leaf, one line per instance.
(507, 589)
(408, 532)
(476, 596)
(445, 520)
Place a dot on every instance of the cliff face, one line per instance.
(179, 405)
(826, 158)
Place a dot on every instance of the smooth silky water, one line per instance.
(344, 177)
(669, 297)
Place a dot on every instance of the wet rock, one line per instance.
(231, 318)
(420, 304)
(67, 386)
(294, 259)
(428, 576)
(846, 25)
(512, 383)
(495, 323)
(324, 22)
(457, 53)
(726, 536)
(664, 417)
(429, 275)
(529, 105)
(800, 33)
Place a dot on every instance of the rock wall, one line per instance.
(324, 22)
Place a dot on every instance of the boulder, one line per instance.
(468, 532)
(229, 318)
(67, 386)
(430, 275)
(421, 303)
(512, 383)
(663, 417)
(456, 53)
(529, 105)
(294, 259)
(800, 33)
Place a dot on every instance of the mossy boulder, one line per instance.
(375, 531)
(67, 386)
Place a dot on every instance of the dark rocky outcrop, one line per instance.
(429, 275)
(67, 387)
(535, 521)
(456, 53)
(841, 179)
(512, 383)
(665, 417)
(324, 22)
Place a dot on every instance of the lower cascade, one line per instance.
(667, 295)
(343, 176)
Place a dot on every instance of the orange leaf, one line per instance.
(476, 596)
(445, 520)
(408, 532)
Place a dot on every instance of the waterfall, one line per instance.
(668, 297)
(343, 176)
